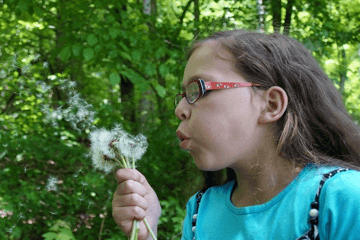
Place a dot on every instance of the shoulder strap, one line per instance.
(313, 232)
(198, 199)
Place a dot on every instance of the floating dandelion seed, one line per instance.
(51, 184)
(2, 74)
(80, 200)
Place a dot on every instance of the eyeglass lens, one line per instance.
(192, 93)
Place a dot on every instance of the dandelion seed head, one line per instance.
(132, 147)
(101, 151)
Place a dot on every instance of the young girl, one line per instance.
(260, 107)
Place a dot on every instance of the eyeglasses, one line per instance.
(197, 88)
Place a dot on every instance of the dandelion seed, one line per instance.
(25, 69)
(36, 57)
(80, 200)
(3, 154)
(10, 230)
(52, 184)
(2, 74)
(84, 184)
(90, 203)
(72, 84)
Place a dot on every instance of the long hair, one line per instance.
(316, 127)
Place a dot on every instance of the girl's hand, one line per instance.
(134, 198)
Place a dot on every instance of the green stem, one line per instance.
(149, 229)
(124, 162)
(135, 230)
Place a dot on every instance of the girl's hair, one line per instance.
(316, 127)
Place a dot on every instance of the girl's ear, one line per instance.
(276, 102)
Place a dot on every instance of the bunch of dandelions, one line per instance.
(116, 148)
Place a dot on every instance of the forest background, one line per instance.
(67, 66)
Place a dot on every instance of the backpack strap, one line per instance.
(198, 199)
(313, 232)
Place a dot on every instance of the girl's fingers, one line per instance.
(124, 174)
(130, 200)
(130, 186)
(126, 214)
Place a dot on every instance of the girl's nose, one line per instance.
(182, 110)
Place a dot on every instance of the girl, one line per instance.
(260, 107)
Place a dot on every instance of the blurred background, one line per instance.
(69, 66)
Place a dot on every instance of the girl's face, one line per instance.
(222, 126)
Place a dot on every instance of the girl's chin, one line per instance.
(206, 164)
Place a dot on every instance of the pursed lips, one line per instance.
(184, 140)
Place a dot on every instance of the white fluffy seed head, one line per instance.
(101, 152)
(132, 147)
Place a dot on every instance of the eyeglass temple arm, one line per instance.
(225, 85)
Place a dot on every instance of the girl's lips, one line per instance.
(181, 135)
(184, 144)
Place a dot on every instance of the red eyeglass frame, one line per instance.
(205, 86)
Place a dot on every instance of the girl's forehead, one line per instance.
(210, 57)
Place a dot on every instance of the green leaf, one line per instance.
(92, 40)
(113, 32)
(161, 91)
(76, 50)
(110, 18)
(125, 55)
(49, 236)
(65, 54)
(114, 78)
(160, 52)
(23, 6)
(136, 55)
(106, 37)
(164, 70)
(88, 54)
(150, 69)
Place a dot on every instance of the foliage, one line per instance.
(126, 66)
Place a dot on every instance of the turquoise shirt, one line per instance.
(286, 216)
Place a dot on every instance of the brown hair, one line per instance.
(316, 127)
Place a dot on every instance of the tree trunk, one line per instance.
(276, 12)
(288, 14)
(127, 100)
(343, 69)
(127, 89)
(196, 17)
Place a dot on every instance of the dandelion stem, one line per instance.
(149, 229)
(124, 162)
